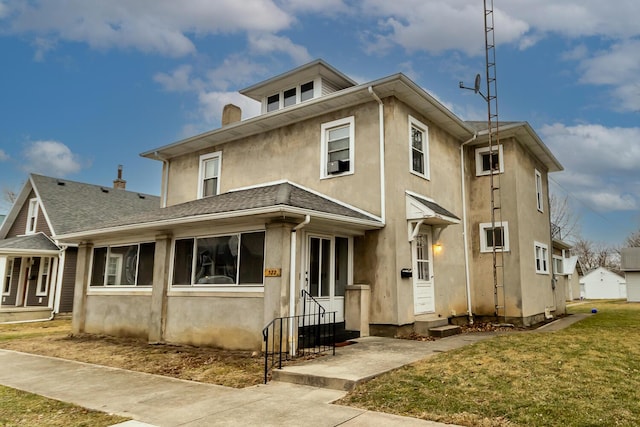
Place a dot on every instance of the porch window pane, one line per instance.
(217, 260)
(99, 263)
(182, 262)
(122, 267)
(341, 265)
(422, 257)
(145, 264)
(251, 258)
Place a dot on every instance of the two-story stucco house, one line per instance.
(371, 197)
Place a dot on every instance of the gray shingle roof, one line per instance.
(281, 194)
(32, 242)
(74, 205)
(434, 207)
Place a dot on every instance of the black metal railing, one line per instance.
(309, 333)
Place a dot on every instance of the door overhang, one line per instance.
(423, 210)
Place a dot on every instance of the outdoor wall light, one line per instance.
(437, 248)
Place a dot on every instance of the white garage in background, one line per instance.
(630, 258)
(602, 283)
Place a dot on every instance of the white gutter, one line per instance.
(165, 179)
(381, 143)
(464, 227)
(292, 278)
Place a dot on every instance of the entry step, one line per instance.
(445, 331)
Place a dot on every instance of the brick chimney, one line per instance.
(231, 114)
(119, 183)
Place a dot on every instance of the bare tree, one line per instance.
(8, 198)
(565, 224)
(593, 255)
(632, 240)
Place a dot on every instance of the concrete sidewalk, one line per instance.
(164, 401)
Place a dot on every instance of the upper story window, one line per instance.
(32, 216)
(209, 180)
(542, 258)
(129, 265)
(497, 236)
(558, 265)
(419, 147)
(539, 199)
(337, 147)
(235, 259)
(487, 162)
(6, 288)
(289, 97)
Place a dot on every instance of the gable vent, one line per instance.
(104, 189)
(61, 182)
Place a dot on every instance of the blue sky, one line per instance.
(86, 85)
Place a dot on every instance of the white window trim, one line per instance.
(298, 88)
(118, 275)
(545, 264)
(8, 273)
(324, 158)
(135, 287)
(413, 122)
(561, 259)
(482, 150)
(539, 191)
(39, 291)
(484, 248)
(203, 159)
(33, 213)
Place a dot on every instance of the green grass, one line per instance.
(585, 375)
(29, 410)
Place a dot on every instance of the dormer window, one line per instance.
(291, 96)
(32, 216)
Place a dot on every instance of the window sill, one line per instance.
(119, 290)
(217, 291)
(336, 175)
(420, 175)
(490, 250)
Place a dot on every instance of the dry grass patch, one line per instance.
(209, 365)
(587, 374)
(24, 409)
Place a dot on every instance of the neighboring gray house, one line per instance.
(38, 272)
(630, 258)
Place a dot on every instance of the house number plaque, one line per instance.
(272, 272)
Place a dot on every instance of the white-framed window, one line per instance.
(44, 276)
(487, 162)
(124, 265)
(222, 260)
(209, 176)
(419, 148)
(542, 258)
(337, 145)
(288, 97)
(8, 275)
(539, 197)
(32, 216)
(558, 265)
(497, 236)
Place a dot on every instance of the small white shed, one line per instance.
(602, 283)
(630, 260)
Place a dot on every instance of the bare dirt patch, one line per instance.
(204, 364)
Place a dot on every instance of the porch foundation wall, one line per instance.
(224, 322)
(118, 315)
(24, 314)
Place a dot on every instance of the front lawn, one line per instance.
(585, 375)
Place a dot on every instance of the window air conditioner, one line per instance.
(337, 166)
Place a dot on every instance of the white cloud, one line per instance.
(235, 70)
(3, 156)
(51, 158)
(179, 80)
(212, 103)
(154, 26)
(266, 44)
(600, 163)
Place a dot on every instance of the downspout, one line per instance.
(292, 278)
(381, 144)
(165, 178)
(464, 227)
(60, 274)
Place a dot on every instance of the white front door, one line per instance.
(423, 293)
(328, 272)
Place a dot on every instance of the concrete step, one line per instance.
(445, 331)
(422, 326)
(313, 379)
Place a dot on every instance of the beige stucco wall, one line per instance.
(291, 153)
(125, 314)
(225, 322)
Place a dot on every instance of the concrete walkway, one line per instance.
(163, 401)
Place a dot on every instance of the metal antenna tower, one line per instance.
(491, 98)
